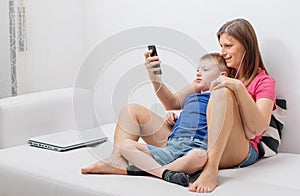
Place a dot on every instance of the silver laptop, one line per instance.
(68, 140)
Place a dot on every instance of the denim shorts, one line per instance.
(251, 158)
(176, 148)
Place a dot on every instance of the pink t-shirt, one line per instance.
(263, 86)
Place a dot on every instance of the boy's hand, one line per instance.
(150, 64)
(171, 118)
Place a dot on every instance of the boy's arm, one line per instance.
(174, 101)
(170, 100)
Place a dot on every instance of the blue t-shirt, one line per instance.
(192, 120)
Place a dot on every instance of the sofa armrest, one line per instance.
(36, 114)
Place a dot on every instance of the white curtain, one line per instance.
(17, 40)
(5, 82)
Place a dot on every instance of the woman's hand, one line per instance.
(150, 64)
(223, 81)
(170, 118)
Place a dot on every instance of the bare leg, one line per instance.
(190, 163)
(227, 143)
(134, 121)
(139, 155)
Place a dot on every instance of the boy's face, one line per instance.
(207, 71)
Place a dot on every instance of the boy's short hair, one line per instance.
(220, 62)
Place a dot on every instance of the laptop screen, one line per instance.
(70, 139)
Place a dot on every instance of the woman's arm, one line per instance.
(255, 116)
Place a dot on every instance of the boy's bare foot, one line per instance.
(112, 165)
(206, 182)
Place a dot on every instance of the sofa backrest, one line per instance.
(50, 111)
(124, 89)
(36, 114)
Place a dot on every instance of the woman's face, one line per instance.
(231, 50)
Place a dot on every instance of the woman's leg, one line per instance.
(135, 121)
(227, 143)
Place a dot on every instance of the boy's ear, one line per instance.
(223, 73)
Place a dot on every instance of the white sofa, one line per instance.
(26, 170)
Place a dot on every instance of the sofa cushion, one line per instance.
(36, 171)
(271, 138)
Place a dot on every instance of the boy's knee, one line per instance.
(131, 107)
(198, 153)
(132, 110)
(196, 159)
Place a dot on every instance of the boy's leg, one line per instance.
(134, 121)
(140, 156)
(192, 162)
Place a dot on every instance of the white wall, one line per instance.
(5, 89)
(275, 23)
(56, 44)
(62, 32)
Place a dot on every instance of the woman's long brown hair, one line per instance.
(243, 31)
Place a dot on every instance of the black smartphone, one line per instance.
(154, 53)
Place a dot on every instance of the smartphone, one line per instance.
(154, 53)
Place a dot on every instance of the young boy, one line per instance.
(185, 151)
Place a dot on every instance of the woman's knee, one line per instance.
(222, 95)
(221, 103)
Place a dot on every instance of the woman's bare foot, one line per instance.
(206, 182)
(112, 165)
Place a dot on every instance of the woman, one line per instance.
(238, 112)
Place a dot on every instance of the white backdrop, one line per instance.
(275, 22)
(55, 44)
(62, 33)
